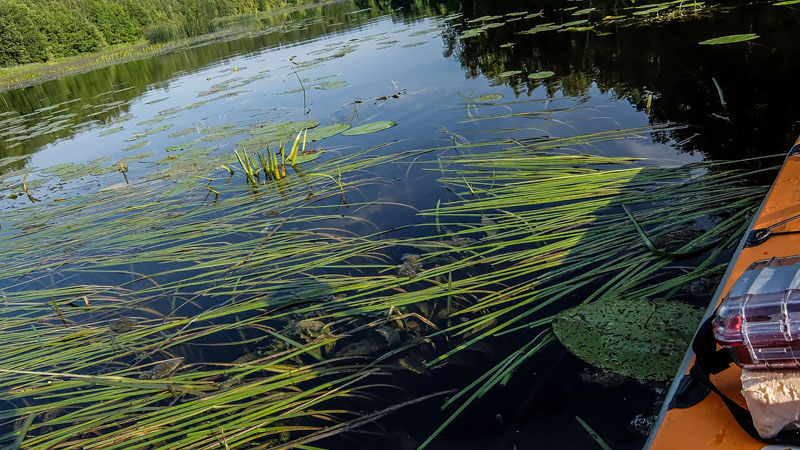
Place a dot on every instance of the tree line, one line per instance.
(39, 30)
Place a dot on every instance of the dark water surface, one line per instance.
(409, 62)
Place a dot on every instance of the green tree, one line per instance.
(68, 33)
(20, 39)
(114, 22)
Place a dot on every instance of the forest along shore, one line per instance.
(40, 41)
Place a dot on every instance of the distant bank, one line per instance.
(41, 39)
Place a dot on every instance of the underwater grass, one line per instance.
(282, 281)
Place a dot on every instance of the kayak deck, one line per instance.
(709, 423)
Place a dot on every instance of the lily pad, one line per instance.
(370, 128)
(110, 131)
(644, 339)
(331, 85)
(324, 132)
(733, 38)
(488, 97)
(139, 144)
(307, 157)
(284, 128)
(541, 75)
(509, 73)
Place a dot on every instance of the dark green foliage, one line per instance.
(114, 22)
(66, 32)
(37, 30)
(162, 32)
(20, 39)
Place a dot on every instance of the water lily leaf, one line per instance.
(509, 73)
(139, 144)
(370, 128)
(583, 11)
(324, 132)
(331, 85)
(790, 2)
(181, 147)
(183, 132)
(733, 38)
(574, 23)
(488, 97)
(110, 131)
(284, 128)
(307, 158)
(414, 44)
(641, 338)
(541, 75)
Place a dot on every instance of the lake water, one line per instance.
(163, 127)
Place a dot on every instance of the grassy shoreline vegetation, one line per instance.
(40, 40)
(255, 312)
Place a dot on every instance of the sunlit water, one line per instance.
(406, 63)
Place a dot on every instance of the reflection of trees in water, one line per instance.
(757, 79)
(96, 89)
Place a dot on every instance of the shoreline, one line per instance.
(26, 75)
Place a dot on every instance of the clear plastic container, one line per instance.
(759, 320)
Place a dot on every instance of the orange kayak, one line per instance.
(709, 423)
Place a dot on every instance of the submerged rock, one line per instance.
(163, 369)
(411, 265)
(122, 325)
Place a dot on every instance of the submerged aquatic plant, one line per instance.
(306, 302)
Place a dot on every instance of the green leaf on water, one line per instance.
(509, 73)
(307, 158)
(331, 85)
(110, 131)
(583, 11)
(733, 38)
(324, 132)
(541, 75)
(370, 128)
(789, 2)
(488, 97)
(183, 132)
(640, 338)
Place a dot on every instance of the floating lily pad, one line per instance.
(369, 128)
(509, 73)
(181, 147)
(331, 85)
(488, 97)
(139, 144)
(183, 132)
(541, 75)
(284, 128)
(307, 157)
(642, 338)
(110, 131)
(195, 105)
(414, 44)
(789, 2)
(474, 32)
(583, 11)
(324, 132)
(222, 134)
(186, 156)
(574, 23)
(733, 38)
